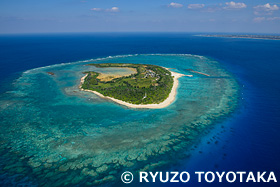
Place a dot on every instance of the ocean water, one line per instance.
(52, 133)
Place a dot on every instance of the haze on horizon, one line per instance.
(244, 16)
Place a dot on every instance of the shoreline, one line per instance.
(165, 103)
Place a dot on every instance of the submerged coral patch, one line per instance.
(54, 133)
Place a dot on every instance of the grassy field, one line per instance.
(151, 84)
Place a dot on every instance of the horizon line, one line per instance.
(140, 32)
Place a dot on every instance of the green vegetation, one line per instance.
(151, 84)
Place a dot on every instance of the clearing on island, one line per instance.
(141, 87)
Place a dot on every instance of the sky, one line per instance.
(55, 16)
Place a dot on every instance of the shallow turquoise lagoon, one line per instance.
(53, 133)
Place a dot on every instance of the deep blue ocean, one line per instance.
(246, 141)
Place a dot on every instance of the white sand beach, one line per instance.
(163, 104)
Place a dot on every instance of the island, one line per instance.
(50, 73)
(250, 36)
(145, 86)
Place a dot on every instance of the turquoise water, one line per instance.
(53, 133)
